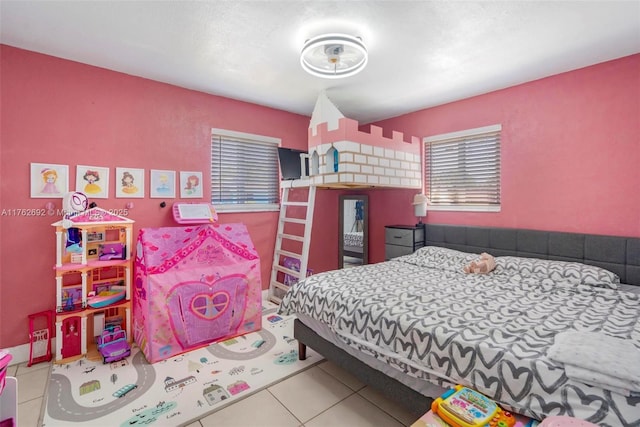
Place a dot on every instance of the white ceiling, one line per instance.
(421, 53)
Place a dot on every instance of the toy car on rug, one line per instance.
(113, 344)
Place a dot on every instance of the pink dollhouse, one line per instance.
(93, 257)
(194, 285)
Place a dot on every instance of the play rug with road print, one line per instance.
(177, 390)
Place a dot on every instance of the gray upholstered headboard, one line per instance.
(620, 255)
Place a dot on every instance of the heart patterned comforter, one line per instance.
(422, 315)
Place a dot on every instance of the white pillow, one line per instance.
(439, 258)
(572, 272)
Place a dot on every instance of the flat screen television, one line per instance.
(290, 166)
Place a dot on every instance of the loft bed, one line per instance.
(342, 155)
(402, 380)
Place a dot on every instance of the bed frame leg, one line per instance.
(302, 351)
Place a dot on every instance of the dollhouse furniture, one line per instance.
(194, 285)
(113, 344)
(93, 261)
(40, 339)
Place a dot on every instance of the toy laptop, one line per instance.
(463, 407)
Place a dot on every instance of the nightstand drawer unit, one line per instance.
(402, 240)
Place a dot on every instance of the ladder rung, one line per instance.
(277, 288)
(280, 286)
(295, 203)
(291, 237)
(289, 254)
(294, 220)
(275, 299)
(288, 271)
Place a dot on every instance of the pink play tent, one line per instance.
(194, 285)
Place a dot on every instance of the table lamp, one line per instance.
(420, 207)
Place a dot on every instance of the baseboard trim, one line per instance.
(20, 353)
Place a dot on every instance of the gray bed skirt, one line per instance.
(416, 403)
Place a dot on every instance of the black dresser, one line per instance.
(402, 240)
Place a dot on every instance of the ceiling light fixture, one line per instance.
(334, 56)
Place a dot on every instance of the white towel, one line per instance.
(616, 359)
(597, 379)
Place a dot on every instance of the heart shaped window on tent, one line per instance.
(208, 306)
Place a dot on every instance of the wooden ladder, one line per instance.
(277, 288)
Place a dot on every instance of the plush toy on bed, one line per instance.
(483, 265)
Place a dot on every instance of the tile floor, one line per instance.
(322, 396)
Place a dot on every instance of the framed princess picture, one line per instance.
(190, 185)
(129, 182)
(93, 181)
(49, 180)
(163, 183)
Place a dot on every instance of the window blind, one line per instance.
(243, 171)
(463, 168)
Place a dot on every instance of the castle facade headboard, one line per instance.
(620, 255)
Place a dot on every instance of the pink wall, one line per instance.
(570, 150)
(62, 112)
(570, 158)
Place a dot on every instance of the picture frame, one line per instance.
(129, 182)
(190, 185)
(162, 184)
(111, 251)
(71, 298)
(49, 180)
(93, 181)
(95, 236)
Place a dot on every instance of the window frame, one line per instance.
(249, 137)
(461, 136)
